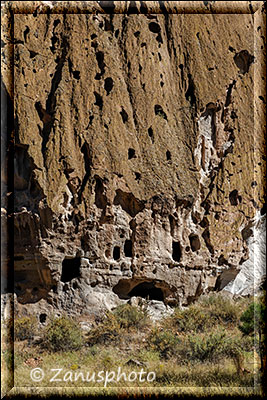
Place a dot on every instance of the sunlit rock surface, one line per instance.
(138, 152)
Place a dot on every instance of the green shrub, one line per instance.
(148, 355)
(213, 348)
(130, 316)
(205, 348)
(203, 315)
(25, 328)
(252, 322)
(191, 319)
(220, 307)
(63, 334)
(107, 331)
(252, 319)
(164, 342)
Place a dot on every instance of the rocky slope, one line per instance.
(138, 149)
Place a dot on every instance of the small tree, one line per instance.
(129, 316)
(63, 334)
(25, 328)
(252, 322)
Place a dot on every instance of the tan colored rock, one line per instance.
(139, 151)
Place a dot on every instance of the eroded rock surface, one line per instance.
(138, 155)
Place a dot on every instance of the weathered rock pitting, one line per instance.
(138, 153)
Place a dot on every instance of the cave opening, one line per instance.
(70, 269)
(147, 290)
(128, 248)
(168, 155)
(233, 197)
(194, 242)
(131, 153)
(42, 318)
(176, 251)
(116, 253)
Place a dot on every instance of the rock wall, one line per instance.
(138, 148)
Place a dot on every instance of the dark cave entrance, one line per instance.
(147, 290)
(194, 242)
(42, 318)
(70, 269)
(116, 253)
(128, 248)
(176, 251)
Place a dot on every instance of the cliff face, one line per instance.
(138, 155)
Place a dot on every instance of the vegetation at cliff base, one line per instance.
(209, 343)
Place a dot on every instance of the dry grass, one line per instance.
(175, 369)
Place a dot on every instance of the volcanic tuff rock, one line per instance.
(138, 148)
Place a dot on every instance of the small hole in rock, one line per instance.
(70, 269)
(176, 251)
(32, 54)
(108, 85)
(159, 111)
(154, 27)
(25, 33)
(204, 223)
(107, 253)
(76, 74)
(128, 248)
(243, 60)
(116, 253)
(190, 93)
(137, 176)
(151, 134)
(98, 100)
(131, 153)
(233, 197)
(194, 242)
(124, 115)
(42, 318)
(159, 39)
(222, 260)
(168, 155)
